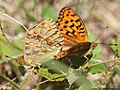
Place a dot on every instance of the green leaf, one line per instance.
(19, 30)
(18, 44)
(8, 49)
(97, 68)
(49, 76)
(5, 48)
(56, 66)
(29, 15)
(49, 12)
(77, 78)
(85, 87)
(97, 53)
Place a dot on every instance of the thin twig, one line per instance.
(104, 62)
(4, 33)
(4, 14)
(6, 78)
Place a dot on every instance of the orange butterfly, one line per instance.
(75, 34)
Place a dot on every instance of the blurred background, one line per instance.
(96, 14)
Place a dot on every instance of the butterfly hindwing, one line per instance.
(41, 39)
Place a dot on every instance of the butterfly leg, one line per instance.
(86, 58)
(86, 63)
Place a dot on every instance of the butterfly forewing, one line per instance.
(71, 26)
(74, 32)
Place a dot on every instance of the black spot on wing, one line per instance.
(81, 28)
(61, 29)
(65, 26)
(72, 25)
(82, 32)
(67, 15)
(73, 15)
(79, 25)
(77, 20)
(71, 20)
(66, 22)
(67, 33)
(73, 32)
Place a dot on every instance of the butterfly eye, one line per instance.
(93, 45)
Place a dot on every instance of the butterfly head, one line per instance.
(93, 45)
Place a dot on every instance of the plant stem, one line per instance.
(104, 62)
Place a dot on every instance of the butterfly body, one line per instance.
(75, 50)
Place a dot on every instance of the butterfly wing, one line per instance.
(71, 26)
(73, 30)
(40, 39)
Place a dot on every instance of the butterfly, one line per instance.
(75, 35)
(40, 39)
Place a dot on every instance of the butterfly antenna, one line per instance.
(100, 34)
(108, 44)
(99, 37)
